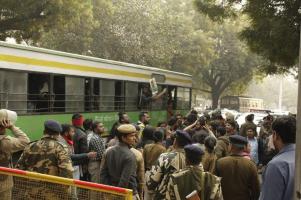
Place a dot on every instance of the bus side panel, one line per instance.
(33, 125)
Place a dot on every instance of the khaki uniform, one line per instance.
(46, 156)
(9, 145)
(140, 171)
(221, 149)
(168, 163)
(208, 161)
(239, 178)
(151, 154)
(185, 181)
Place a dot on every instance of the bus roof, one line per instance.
(39, 55)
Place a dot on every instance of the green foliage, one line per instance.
(168, 34)
(25, 19)
(273, 30)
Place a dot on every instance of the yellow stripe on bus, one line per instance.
(54, 64)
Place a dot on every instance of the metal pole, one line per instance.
(297, 189)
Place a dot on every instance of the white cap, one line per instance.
(8, 115)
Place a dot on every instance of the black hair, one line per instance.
(285, 127)
(250, 117)
(210, 143)
(221, 130)
(194, 112)
(160, 123)
(76, 116)
(142, 114)
(147, 133)
(172, 121)
(87, 124)
(120, 116)
(95, 124)
(66, 128)
(231, 122)
(191, 118)
(158, 136)
(199, 137)
(181, 141)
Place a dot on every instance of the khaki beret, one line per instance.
(126, 129)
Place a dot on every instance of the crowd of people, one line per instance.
(186, 157)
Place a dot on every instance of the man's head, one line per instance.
(237, 143)
(67, 131)
(284, 131)
(158, 136)
(77, 120)
(220, 131)
(251, 132)
(87, 124)
(123, 118)
(193, 154)
(144, 117)
(126, 133)
(52, 127)
(148, 132)
(182, 139)
(230, 127)
(250, 117)
(98, 127)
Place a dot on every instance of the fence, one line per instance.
(35, 186)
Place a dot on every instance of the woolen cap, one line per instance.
(238, 140)
(126, 128)
(184, 135)
(53, 126)
(194, 150)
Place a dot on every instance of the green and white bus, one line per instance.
(42, 84)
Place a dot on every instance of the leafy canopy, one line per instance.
(273, 30)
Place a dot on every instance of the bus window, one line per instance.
(95, 95)
(119, 95)
(183, 98)
(159, 103)
(88, 94)
(58, 95)
(131, 96)
(107, 94)
(75, 90)
(13, 87)
(38, 92)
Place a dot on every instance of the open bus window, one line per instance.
(38, 92)
(119, 95)
(13, 89)
(58, 95)
(183, 98)
(46, 93)
(92, 91)
(131, 96)
(75, 90)
(107, 94)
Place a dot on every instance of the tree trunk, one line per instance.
(215, 97)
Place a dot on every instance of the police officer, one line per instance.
(193, 178)
(157, 178)
(9, 145)
(47, 156)
(119, 165)
(239, 175)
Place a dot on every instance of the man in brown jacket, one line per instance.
(239, 175)
(9, 145)
(222, 145)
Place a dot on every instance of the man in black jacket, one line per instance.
(80, 145)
